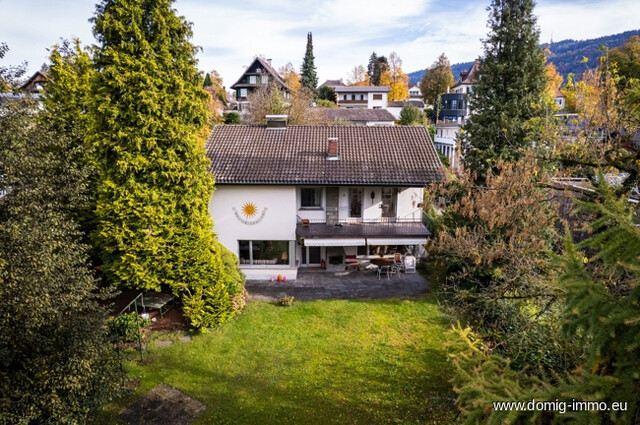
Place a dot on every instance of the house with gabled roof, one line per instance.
(36, 83)
(291, 197)
(256, 75)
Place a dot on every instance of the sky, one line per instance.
(345, 32)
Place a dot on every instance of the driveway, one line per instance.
(312, 285)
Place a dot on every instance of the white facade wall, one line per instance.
(395, 111)
(378, 104)
(408, 201)
(445, 142)
(275, 219)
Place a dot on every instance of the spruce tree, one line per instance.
(373, 70)
(509, 90)
(308, 77)
(207, 81)
(154, 227)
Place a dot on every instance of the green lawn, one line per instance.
(317, 362)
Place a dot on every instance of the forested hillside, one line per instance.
(566, 55)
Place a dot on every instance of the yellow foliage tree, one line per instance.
(290, 76)
(398, 80)
(218, 100)
(554, 81)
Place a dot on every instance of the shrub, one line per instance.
(286, 301)
(232, 118)
(124, 328)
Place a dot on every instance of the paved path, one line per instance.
(312, 285)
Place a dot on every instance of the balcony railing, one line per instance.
(380, 220)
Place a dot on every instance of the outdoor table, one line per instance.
(158, 301)
(382, 261)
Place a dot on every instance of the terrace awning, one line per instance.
(396, 241)
(335, 242)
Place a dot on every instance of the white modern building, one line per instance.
(371, 97)
(313, 196)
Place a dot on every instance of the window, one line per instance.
(377, 97)
(454, 104)
(243, 92)
(355, 202)
(252, 79)
(265, 79)
(311, 197)
(263, 252)
(389, 196)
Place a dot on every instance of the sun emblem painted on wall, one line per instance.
(249, 213)
(249, 209)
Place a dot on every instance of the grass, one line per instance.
(316, 362)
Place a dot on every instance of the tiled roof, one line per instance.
(365, 230)
(361, 89)
(394, 156)
(401, 103)
(470, 76)
(332, 83)
(355, 114)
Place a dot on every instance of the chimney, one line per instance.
(269, 62)
(276, 121)
(332, 151)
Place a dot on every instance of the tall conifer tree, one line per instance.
(56, 363)
(308, 77)
(154, 228)
(510, 88)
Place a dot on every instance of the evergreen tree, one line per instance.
(308, 77)
(207, 81)
(154, 227)
(436, 80)
(56, 363)
(66, 100)
(372, 69)
(327, 93)
(510, 88)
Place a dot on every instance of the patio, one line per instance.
(319, 284)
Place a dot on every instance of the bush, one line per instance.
(124, 327)
(286, 301)
(232, 118)
(322, 103)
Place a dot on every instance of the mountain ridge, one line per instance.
(566, 55)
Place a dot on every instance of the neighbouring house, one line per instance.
(446, 142)
(259, 73)
(354, 116)
(291, 197)
(415, 93)
(36, 83)
(332, 83)
(560, 99)
(396, 107)
(453, 113)
(371, 97)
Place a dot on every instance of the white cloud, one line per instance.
(345, 32)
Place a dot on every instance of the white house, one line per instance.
(309, 196)
(445, 141)
(415, 93)
(371, 97)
